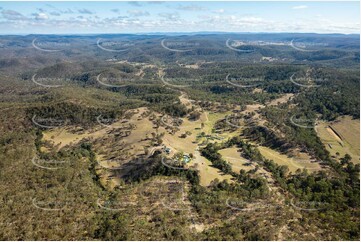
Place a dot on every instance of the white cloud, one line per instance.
(135, 3)
(85, 11)
(115, 10)
(138, 13)
(55, 13)
(12, 15)
(168, 22)
(300, 7)
(221, 10)
(155, 2)
(252, 20)
(191, 7)
(170, 16)
(41, 16)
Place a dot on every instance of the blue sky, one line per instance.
(140, 17)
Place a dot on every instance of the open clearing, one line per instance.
(341, 136)
(282, 99)
(107, 146)
(61, 137)
(132, 145)
(206, 171)
(349, 131)
(115, 144)
(293, 163)
(190, 144)
(233, 156)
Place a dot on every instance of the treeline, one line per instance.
(211, 153)
(247, 181)
(67, 113)
(153, 167)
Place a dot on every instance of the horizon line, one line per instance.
(181, 33)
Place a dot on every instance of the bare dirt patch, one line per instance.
(285, 98)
